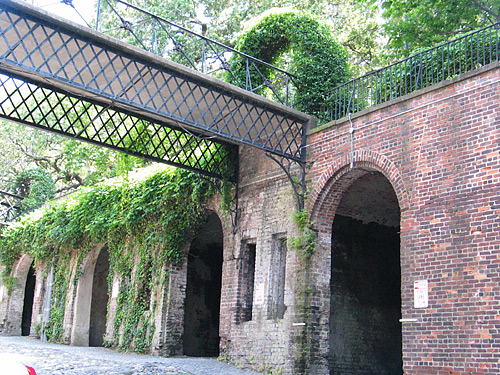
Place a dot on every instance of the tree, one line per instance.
(416, 24)
(355, 23)
(71, 163)
(36, 186)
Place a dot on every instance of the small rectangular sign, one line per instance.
(421, 294)
(259, 294)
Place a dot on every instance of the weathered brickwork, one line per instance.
(266, 202)
(439, 152)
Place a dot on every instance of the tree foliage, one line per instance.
(71, 163)
(355, 23)
(416, 24)
(36, 186)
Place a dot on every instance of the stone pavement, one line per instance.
(55, 359)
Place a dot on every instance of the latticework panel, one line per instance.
(58, 112)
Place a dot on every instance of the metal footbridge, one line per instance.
(70, 79)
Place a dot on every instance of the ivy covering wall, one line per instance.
(145, 224)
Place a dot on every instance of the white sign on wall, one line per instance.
(259, 294)
(421, 293)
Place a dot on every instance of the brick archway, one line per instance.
(324, 204)
(15, 301)
(80, 331)
(201, 326)
(331, 185)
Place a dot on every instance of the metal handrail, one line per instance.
(9, 206)
(211, 57)
(425, 68)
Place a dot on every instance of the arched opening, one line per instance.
(99, 302)
(204, 278)
(365, 332)
(19, 302)
(29, 295)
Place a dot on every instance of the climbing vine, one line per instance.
(316, 59)
(305, 243)
(145, 224)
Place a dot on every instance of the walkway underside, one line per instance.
(74, 81)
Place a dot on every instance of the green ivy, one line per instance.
(317, 60)
(146, 222)
(305, 243)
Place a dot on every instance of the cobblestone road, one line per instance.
(54, 359)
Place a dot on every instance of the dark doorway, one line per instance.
(29, 295)
(365, 332)
(202, 304)
(99, 303)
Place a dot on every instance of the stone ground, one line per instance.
(55, 359)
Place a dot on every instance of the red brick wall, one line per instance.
(440, 150)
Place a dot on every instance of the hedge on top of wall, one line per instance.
(317, 60)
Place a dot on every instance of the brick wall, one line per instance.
(268, 339)
(439, 149)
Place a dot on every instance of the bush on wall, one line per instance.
(317, 60)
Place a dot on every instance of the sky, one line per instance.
(85, 7)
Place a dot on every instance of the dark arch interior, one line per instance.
(99, 303)
(365, 332)
(202, 304)
(29, 295)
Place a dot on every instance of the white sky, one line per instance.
(85, 7)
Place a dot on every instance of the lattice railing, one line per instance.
(10, 207)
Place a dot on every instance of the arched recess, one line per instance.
(91, 301)
(358, 218)
(21, 303)
(203, 291)
(29, 296)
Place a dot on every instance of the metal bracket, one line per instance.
(296, 177)
(233, 208)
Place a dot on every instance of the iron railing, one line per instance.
(420, 70)
(156, 34)
(10, 206)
